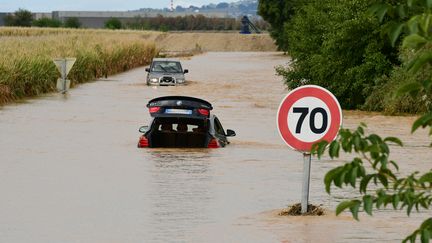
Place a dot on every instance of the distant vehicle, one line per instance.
(183, 122)
(163, 71)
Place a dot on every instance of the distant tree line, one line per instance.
(189, 22)
(24, 17)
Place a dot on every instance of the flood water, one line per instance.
(70, 170)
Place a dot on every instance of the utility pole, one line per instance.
(172, 5)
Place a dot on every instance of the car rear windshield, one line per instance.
(175, 124)
(166, 67)
(179, 133)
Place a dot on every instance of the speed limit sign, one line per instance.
(307, 115)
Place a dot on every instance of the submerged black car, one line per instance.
(183, 122)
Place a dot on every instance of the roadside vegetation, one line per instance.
(190, 23)
(374, 55)
(27, 69)
(341, 46)
(24, 18)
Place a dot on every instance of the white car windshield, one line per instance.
(167, 67)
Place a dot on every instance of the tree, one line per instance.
(72, 22)
(372, 165)
(334, 44)
(21, 17)
(9, 20)
(47, 22)
(113, 23)
(277, 13)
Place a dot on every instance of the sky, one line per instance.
(96, 5)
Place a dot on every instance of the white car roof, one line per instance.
(166, 59)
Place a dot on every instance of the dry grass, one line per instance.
(26, 67)
(35, 31)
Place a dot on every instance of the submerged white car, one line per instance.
(163, 71)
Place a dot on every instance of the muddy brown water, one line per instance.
(70, 170)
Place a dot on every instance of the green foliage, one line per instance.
(415, 190)
(336, 45)
(72, 22)
(21, 17)
(405, 89)
(188, 22)
(341, 46)
(164, 28)
(47, 22)
(373, 166)
(277, 13)
(391, 96)
(113, 24)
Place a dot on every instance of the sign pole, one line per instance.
(306, 180)
(64, 76)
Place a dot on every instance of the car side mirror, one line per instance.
(230, 133)
(147, 70)
(185, 71)
(144, 129)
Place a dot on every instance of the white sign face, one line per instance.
(309, 119)
(308, 115)
(69, 64)
(63, 85)
(64, 65)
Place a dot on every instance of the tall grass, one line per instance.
(26, 67)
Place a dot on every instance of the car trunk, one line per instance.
(179, 133)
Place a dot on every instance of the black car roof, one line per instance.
(180, 101)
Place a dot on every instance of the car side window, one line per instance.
(218, 127)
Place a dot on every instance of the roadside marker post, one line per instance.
(64, 65)
(307, 115)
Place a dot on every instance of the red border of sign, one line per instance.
(308, 91)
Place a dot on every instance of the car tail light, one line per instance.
(154, 109)
(213, 143)
(204, 112)
(143, 142)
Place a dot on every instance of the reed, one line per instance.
(26, 67)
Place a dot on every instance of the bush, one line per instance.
(113, 24)
(72, 22)
(47, 22)
(336, 45)
(384, 96)
(21, 17)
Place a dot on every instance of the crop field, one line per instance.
(26, 67)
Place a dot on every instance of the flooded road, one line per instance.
(70, 170)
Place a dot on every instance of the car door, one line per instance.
(220, 132)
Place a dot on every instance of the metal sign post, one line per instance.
(306, 181)
(64, 65)
(307, 115)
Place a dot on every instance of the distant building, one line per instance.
(42, 15)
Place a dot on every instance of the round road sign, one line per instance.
(307, 115)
